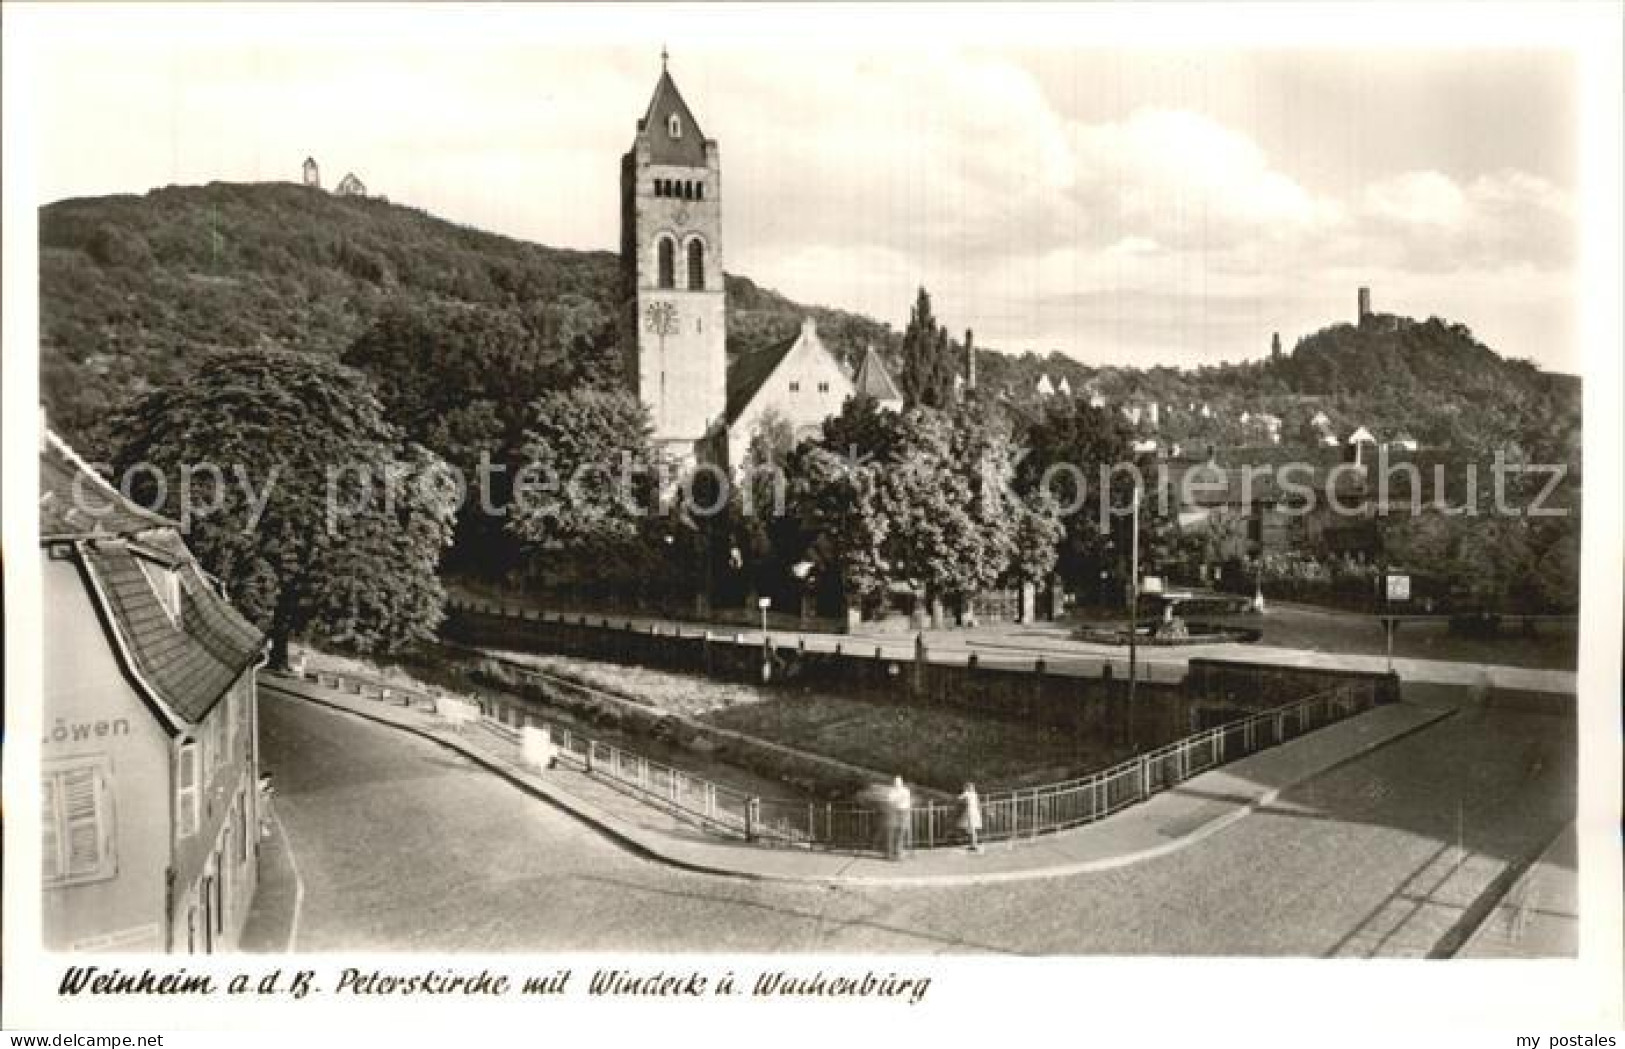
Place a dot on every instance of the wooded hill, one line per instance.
(134, 289)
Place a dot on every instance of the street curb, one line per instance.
(637, 840)
(1477, 913)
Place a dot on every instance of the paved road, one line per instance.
(404, 846)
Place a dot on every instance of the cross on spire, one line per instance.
(663, 57)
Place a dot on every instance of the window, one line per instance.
(823, 387)
(674, 126)
(241, 823)
(166, 583)
(795, 387)
(668, 263)
(699, 191)
(696, 265)
(186, 790)
(77, 817)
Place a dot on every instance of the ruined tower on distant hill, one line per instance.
(313, 175)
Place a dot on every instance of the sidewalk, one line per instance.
(1167, 822)
(1539, 917)
(273, 920)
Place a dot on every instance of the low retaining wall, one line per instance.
(1066, 702)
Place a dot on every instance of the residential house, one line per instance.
(149, 754)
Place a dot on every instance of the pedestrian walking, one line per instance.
(970, 816)
(902, 807)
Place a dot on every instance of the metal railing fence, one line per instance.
(844, 826)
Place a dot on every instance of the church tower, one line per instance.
(673, 325)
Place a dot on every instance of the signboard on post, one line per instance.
(1152, 584)
(1399, 587)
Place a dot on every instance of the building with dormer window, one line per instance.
(149, 752)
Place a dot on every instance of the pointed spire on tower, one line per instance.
(665, 57)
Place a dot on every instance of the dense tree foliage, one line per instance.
(300, 497)
(135, 290)
(586, 481)
(928, 359)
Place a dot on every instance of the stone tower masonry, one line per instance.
(673, 327)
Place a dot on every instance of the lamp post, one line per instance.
(765, 603)
(1133, 606)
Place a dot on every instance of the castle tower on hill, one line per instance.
(673, 331)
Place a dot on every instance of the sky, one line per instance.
(1055, 184)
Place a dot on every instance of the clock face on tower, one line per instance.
(660, 318)
(681, 214)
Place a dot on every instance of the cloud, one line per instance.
(852, 174)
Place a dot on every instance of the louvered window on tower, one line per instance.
(696, 266)
(674, 126)
(77, 819)
(668, 263)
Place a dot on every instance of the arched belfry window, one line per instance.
(668, 263)
(696, 265)
(674, 126)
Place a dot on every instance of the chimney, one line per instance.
(1365, 304)
(970, 359)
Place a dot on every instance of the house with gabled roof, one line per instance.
(799, 380)
(149, 755)
(874, 381)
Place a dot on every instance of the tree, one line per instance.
(586, 478)
(928, 361)
(838, 503)
(300, 497)
(950, 529)
(1073, 450)
(863, 430)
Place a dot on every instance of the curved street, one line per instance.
(402, 845)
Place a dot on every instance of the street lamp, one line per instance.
(1133, 606)
(765, 603)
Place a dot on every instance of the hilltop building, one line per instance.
(350, 186)
(311, 175)
(150, 754)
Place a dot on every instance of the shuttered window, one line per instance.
(186, 791)
(77, 815)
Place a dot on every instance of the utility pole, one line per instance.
(1133, 607)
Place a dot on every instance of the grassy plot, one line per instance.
(688, 694)
(934, 746)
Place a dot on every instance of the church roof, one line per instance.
(873, 380)
(688, 147)
(750, 373)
